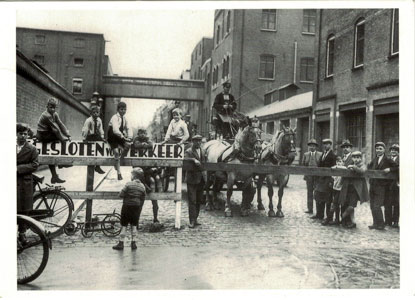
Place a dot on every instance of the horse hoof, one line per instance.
(228, 214)
(280, 214)
(271, 214)
(261, 206)
(209, 207)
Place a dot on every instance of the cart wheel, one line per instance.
(86, 232)
(111, 225)
(70, 228)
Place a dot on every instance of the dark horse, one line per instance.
(281, 151)
(244, 150)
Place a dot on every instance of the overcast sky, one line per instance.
(142, 43)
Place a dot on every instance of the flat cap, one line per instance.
(327, 141)
(382, 144)
(357, 153)
(395, 147)
(346, 143)
(312, 142)
(197, 137)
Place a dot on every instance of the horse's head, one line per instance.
(284, 144)
(248, 140)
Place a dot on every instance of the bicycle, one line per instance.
(110, 225)
(51, 206)
(33, 246)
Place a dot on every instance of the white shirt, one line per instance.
(115, 123)
(89, 127)
(177, 129)
(380, 159)
(19, 148)
(346, 156)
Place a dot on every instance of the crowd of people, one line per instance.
(336, 197)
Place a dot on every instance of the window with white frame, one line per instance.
(269, 19)
(266, 67)
(228, 22)
(307, 69)
(40, 59)
(309, 20)
(40, 39)
(77, 86)
(359, 43)
(330, 56)
(78, 62)
(79, 43)
(395, 32)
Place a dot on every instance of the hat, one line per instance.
(21, 127)
(346, 143)
(52, 101)
(312, 142)
(178, 111)
(394, 147)
(357, 153)
(226, 83)
(382, 144)
(255, 119)
(327, 141)
(197, 137)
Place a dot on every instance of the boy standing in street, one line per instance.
(195, 180)
(392, 207)
(379, 188)
(93, 130)
(133, 194)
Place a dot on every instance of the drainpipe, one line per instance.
(295, 62)
(241, 60)
(317, 89)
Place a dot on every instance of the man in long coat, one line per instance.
(324, 184)
(347, 161)
(27, 163)
(311, 159)
(224, 107)
(392, 205)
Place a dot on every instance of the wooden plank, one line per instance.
(296, 170)
(179, 173)
(104, 161)
(102, 195)
(89, 188)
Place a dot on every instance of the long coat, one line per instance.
(220, 101)
(27, 163)
(358, 183)
(379, 188)
(306, 161)
(325, 183)
(195, 176)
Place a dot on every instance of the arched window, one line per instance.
(359, 43)
(330, 56)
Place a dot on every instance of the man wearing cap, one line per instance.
(177, 131)
(324, 184)
(195, 179)
(311, 159)
(347, 161)
(379, 188)
(224, 106)
(392, 205)
(191, 127)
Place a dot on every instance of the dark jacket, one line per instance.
(220, 101)
(395, 170)
(385, 163)
(306, 161)
(197, 175)
(325, 183)
(27, 163)
(358, 183)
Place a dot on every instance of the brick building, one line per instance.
(76, 60)
(356, 94)
(260, 52)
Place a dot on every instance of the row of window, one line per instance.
(267, 68)
(196, 53)
(40, 59)
(269, 20)
(359, 43)
(40, 39)
(225, 71)
(220, 30)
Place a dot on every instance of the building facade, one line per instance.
(356, 94)
(76, 60)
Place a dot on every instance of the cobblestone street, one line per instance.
(226, 253)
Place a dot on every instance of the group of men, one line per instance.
(325, 190)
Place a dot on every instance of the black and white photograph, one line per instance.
(222, 146)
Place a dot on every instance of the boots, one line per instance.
(133, 245)
(119, 246)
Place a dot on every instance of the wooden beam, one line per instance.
(102, 195)
(105, 161)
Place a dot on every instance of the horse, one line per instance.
(281, 151)
(245, 149)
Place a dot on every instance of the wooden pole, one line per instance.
(89, 188)
(178, 202)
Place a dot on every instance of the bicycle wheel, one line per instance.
(111, 225)
(32, 251)
(87, 232)
(55, 210)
